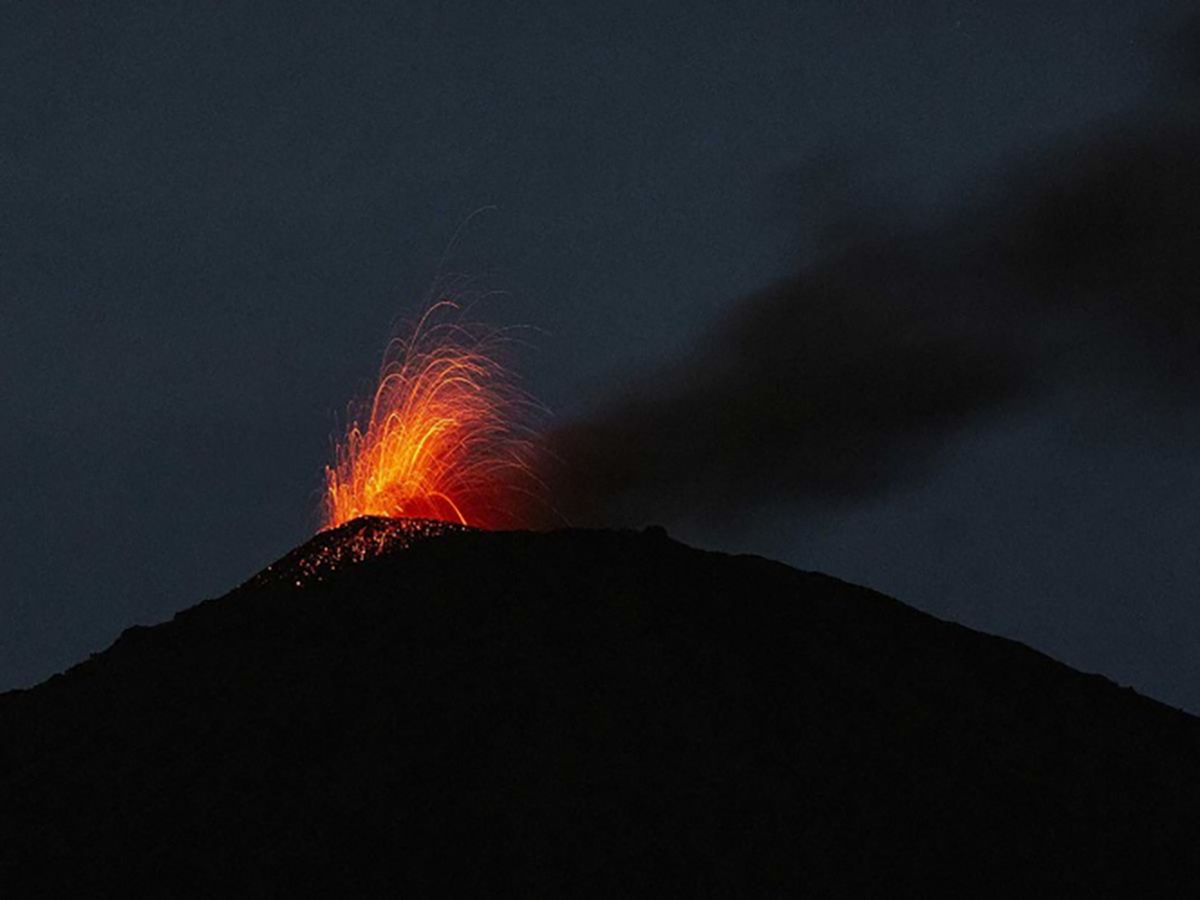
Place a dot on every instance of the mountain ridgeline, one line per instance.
(577, 714)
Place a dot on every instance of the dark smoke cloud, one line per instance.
(831, 385)
(1081, 262)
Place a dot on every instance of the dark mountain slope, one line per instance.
(583, 713)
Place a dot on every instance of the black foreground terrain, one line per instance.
(584, 714)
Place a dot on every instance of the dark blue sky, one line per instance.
(212, 215)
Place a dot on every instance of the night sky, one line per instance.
(905, 293)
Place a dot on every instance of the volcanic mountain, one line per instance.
(409, 709)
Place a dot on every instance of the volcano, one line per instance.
(582, 713)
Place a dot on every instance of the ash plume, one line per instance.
(1076, 264)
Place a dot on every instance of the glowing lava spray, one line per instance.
(446, 435)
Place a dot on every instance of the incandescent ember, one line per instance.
(362, 539)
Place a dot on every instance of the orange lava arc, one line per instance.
(444, 437)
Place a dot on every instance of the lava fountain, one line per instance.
(445, 436)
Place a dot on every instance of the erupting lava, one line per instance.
(443, 437)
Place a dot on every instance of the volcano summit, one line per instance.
(582, 713)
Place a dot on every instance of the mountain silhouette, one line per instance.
(413, 709)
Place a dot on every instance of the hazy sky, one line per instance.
(212, 214)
